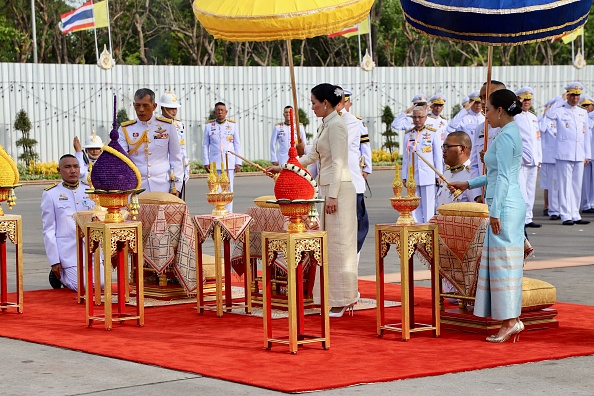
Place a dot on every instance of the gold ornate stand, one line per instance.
(82, 218)
(114, 238)
(11, 226)
(222, 240)
(406, 239)
(293, 245)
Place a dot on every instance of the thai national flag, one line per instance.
(79, 19)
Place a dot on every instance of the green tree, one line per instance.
(391, 137)
(455, 110)
(121, 116)
(304, 119)
(23, 124)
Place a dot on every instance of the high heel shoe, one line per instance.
(514, 331)
(346, 308)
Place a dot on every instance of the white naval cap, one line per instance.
(465, 100)
(169, 100)
(420, 98)
(524, 93)
(586, 100)
(93, 142)
(575, 88)
(438, 99)
(474, 97)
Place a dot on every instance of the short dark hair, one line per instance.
(288, 107)
(495, 82)
(462, 138)
(142, 92)
(327, 91)
(67, 156)
(507, 100)
(220, 104)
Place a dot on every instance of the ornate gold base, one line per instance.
(113, 203)
(219, 200)
(295, 213)
(405, 205)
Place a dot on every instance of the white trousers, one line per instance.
(588, 188)
(69, 278)
(528, 176)
(426, 209)
(570, 174)
(549, 181)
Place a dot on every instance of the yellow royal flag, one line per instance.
(573, 35)
(360, 28)
(100, 13)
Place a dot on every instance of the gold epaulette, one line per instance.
(409, 130)
(164, 119)
(233, 121)
(130, 122)
(430, 128)
(279, 124)
(50, 187)
(442, 116)
(364, 139)
(359, 117)
(432, 116)
(209, 121)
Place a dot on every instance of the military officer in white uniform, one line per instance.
(59, 202)
(153, 145)
(548, 173)
(573, 152)
(169, 108)
(587, 103)
(531, 152)
(404, 121)
(425, 140)
(281, 137)
(222, 135)
(469, 121)
(456, 151)
(92, 150)
(364, 146)
(439, 122)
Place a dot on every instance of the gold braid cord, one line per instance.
(96, 237)
(9, 227)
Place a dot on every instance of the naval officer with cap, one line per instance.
(573, 152)
(59, 202)
(153, 145)
(425, 140)
(440, 123)
(404, 120)
(92, 150)
(548, 173)
(364, 143)
(469, 121)
(222, 135)
(531, 152)
(587, 103)
(280, 140)
(169, 108)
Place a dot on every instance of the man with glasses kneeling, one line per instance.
(456, 156)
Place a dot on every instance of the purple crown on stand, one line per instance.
(109, 171)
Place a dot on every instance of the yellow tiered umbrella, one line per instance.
(268, 20)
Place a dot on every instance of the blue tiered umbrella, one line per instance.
(496, 22)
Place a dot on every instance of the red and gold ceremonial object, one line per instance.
(114, 177)
(9, 179)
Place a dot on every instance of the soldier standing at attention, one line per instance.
(222, 135)
(281, 135)
(152, 144)
(169, 108)
(439, 122)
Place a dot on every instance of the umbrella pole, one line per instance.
(292, 69)
(489, 66)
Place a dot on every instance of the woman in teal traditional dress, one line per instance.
(499, 288)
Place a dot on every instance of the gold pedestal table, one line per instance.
(11, 227)
(81, 219)
(407, 240)
(222, 229)
(293, 246)
(115, 239)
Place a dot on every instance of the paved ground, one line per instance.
(32, 369)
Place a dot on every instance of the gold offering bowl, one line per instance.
(295, 213)
(219, 200)
(113, 202)
(405, 205)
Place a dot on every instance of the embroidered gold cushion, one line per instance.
(261, 201)
(469, 209)
(158, 198)
(537, 294)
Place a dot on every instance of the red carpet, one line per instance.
(232, 348)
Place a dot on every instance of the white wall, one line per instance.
(67, 100)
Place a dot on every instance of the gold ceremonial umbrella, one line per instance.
(269, 20)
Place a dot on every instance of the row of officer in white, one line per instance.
(573, 151)
(425, 140)
(152, 143)
(280, 140)
(220, 136)
(531, 152)
(404, 122)
(587, 103)
(548, 172)
(59, 202)
(468, 121)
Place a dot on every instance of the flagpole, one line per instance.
(96, 45)
(359, 41)
(370, 42)
(108, 28)
(34, 24)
